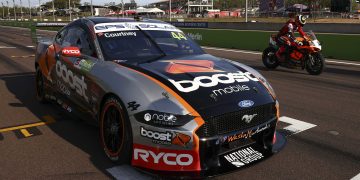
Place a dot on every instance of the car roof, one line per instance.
(98, 20)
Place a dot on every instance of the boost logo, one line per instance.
(214, 80)
(74, 81)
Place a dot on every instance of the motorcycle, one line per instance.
(307, 55)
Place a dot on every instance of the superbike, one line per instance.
(307, 55)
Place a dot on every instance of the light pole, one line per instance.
(40, 9)
(92, 10)
(53, 10)
(188, 8)
(21, 12)
(7, 3)
(3, 10)
(246, 11)
(170, 9)
(29, 10)
(70, 9)
(14, 10)
(122, 8)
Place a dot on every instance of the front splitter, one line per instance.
(224, 168)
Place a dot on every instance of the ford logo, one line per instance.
(246, 103)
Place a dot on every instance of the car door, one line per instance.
(71, 78)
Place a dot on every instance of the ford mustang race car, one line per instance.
(162, 104)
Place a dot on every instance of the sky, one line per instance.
(95, 2)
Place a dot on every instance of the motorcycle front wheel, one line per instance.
(269, 58)
(315, 64)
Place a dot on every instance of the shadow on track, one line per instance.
(77, 133)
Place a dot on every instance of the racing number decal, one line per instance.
(133, 105)
(178, 35)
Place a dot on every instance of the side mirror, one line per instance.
(71, 52)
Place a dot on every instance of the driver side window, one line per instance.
(78, 37)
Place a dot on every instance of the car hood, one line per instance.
(211, 85)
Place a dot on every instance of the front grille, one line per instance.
(229, 122)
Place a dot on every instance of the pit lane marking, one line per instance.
(357, 177)
(26, 56)
(296, 126)
(25, 132)
(7, 47)
(48, 120)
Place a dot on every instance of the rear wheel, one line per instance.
(39, 84)
(315, 64)
(269, 58)
(115, 131)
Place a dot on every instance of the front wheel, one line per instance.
(269, 58)
(315, 64)
(40, 86)
(115, 131)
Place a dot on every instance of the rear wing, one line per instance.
(36, 38)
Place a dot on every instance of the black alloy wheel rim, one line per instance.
(112, 130)
(270, 58)
(315, 63)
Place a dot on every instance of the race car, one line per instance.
(162, 104)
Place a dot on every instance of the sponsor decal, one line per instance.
(74, 81)
(187, 66)
(119, 34)
(243, 156)
(64, 105)
(71, 51)
(63, 88)
(246, 103)
(211, 81)
(85, 65)
(248, 118)
(162, 119)
(165, 159)
(133, 105)
(197, 36)
(247, 134)
(126, 26)
(165, 138)
(230, 90)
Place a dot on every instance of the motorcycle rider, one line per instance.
(286, 39)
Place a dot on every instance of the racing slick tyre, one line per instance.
(315, 64)
(269, 58)
(39, 84)
(115, 131)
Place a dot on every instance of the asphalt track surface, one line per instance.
(43, 141)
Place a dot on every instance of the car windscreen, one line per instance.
(137, 46)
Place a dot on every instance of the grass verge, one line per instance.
(336, 46)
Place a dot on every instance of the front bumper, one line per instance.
(231, 152)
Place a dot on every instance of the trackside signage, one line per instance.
(165, 159)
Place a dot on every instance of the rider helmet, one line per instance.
(301, 20)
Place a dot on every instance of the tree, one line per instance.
(60, 4)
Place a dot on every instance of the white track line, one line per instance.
(259, 53)
(357, 177)
(126, 172)
(231, 50)
(296, 125)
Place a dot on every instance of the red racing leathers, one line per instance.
(286, 38)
